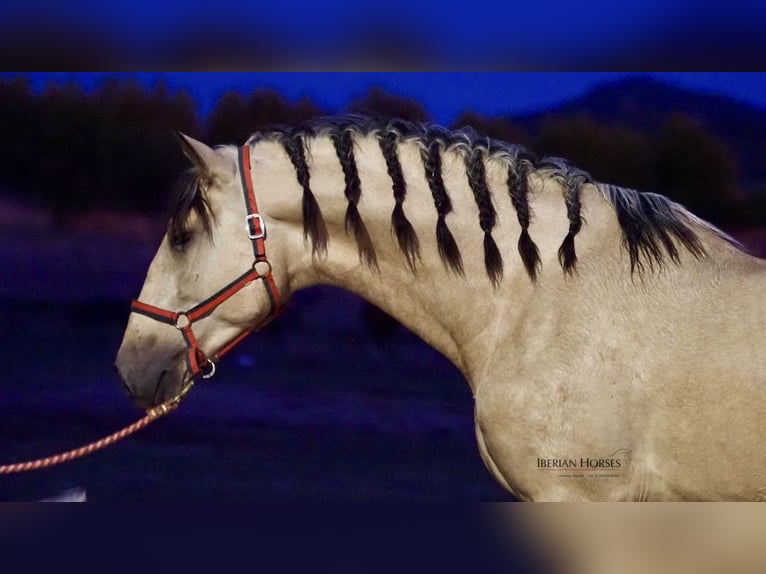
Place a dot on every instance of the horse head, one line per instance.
(205, 286)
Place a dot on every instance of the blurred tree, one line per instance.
(268, 107)
(695, 168)
(378, 103)
(75, 151)
(234, 119)
(501, 128)
(177, 111)
(65, 175)
(229, 121)
(19, 111)
(610, 153)
(138, 154)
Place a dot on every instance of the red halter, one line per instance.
(197, 361)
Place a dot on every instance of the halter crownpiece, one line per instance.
(197, 361)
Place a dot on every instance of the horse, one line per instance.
(609, 336)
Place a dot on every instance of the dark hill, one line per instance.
(644, 103)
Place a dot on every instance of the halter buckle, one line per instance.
(254, 231)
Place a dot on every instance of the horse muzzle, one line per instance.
(149, 383)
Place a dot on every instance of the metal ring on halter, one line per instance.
(182, 321)
(264, 261)
(209, 364)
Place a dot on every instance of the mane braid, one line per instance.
(477, 179)
(445, 241)
(572, 180)
(313, 222)
(344, 148)
(405, 233)
(518, 189)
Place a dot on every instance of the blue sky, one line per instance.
(445, 95)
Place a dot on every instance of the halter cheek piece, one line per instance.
(197, 361)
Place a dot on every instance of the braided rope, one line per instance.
(151, 416)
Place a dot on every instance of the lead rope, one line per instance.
(151, 415)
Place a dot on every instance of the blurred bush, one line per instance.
(378, 103)
(236, 117)
(614, 153)
(696, 168)
(502, 128)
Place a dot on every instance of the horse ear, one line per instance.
(203, 157)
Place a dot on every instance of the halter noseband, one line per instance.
(197, 361)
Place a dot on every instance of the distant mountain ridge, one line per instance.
(644, 103)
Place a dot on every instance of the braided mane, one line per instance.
(653, 227)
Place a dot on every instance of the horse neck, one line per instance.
(456, 314)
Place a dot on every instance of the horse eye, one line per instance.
(179, 240)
